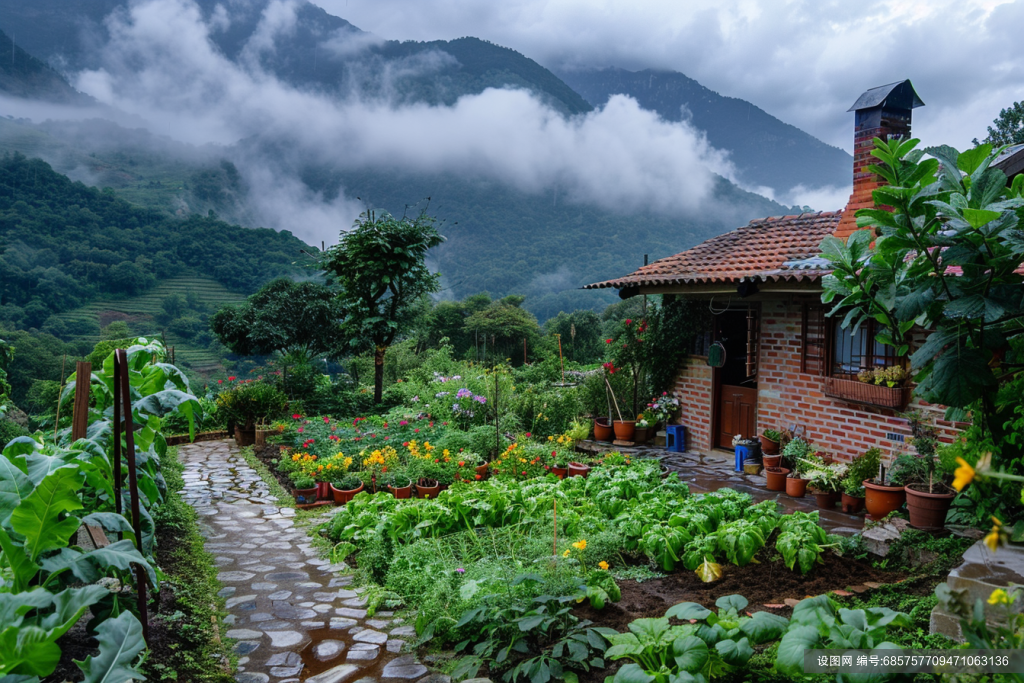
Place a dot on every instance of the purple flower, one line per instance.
(480, 399)
(460, 570)
(464, 393)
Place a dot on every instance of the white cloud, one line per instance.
(161, 66)
(804, 61)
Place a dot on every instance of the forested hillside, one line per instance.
(765, 150)
(22, 75)
(63, 244)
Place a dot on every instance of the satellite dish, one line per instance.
(716, 355)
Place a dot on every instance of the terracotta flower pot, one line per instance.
(401, 492)
(641, 434)
(768, 447)
(342, 496)
(825, 501)
(776, 477)
(881, 500)
(624, 429)
(305, 496)
(796, 487)
(602, 430)
(577, 469)
(481, 471)
(771, 460)
(560, 472)
(245, 437)
(928, 510)
(852, 504)
(426, 489)
(323, 490)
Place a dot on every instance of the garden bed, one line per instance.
(764, 583)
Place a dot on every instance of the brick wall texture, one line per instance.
(788, 396)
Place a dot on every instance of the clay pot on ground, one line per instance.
(323, 490)
(796, 487)
(641, 434)
(560, 472)
(852, 504)
(245, 436)
(602, 430)
(481, 471)
(776, 477)
(928, 510)
(427, 488)
(401, 492)
(305, 496)
(771, 460)
(624, 429)
(768, 447)
(578, 469)
(342, 496)
(881, 500)
(826, 501)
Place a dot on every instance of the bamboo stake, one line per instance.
(554, 547)
(560, 361)
(614, 400)
(56, 422)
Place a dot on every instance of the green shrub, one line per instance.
(10, 430)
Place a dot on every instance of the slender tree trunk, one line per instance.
(378, 373)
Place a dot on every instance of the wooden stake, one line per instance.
(80, 416)
(614, 400)
(56, 422)
(554, 547)
(560, 361)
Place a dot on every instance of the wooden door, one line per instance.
(736, 381)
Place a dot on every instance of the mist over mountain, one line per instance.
(766, 152)
(24, 76)
(275, 113)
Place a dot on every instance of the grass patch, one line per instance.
(186, 642)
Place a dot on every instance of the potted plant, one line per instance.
(250, 404)
(468, 466)
(794, 455)
(644, 428)
(929, 496)
(825, 480)
(578, 469)
(796, 482)
(881, 496)
(305, 487)
(400, 485)
(770, 440)
(345, 488)
(863, 467)
(776, 477)
(560, 463)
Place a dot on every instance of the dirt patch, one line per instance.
(764, 583)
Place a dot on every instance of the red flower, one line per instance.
(220, 381)
(479, 477)
(524, 473)
(554, 453)
(416, 431)
(629, 321)
(607, 341)
(462, 463)
(231, 379)
(296, 416)
(405, 443)
(528, 434)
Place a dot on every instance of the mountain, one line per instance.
(25, 76)
(319, 51)
(764, 150)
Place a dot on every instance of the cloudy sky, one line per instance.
(804, 61)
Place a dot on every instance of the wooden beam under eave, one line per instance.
(767, 289)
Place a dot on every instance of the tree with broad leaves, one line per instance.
(297, 318)
(944, 258)
(1008, 128)
(379, 266)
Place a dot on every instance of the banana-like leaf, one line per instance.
(22, 568)
(38, 517)
(68, 559)
(120, 644)
(121, 555)
(69, 606)
(28, 650)
(14, 484)
(14, 606)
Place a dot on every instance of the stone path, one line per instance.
(294, 618)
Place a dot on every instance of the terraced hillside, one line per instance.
(141, 313)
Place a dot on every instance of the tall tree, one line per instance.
(379, 266)
(299, 318)
(508, 325)
(1008, 128)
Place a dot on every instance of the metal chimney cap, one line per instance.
(899, 95)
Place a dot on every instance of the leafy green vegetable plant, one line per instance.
(801, 541)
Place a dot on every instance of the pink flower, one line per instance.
(220, 381)
(403, 423)
(300, 430)
(415, 431)
(327, 420)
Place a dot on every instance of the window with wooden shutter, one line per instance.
(813, 355)
(752, 339)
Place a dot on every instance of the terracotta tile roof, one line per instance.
(778, 248)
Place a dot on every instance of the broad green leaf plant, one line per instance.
(49, 487)
(945, 259)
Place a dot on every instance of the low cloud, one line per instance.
(161, 67)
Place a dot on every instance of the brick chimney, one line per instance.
(881, 112)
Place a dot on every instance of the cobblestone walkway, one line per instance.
(294, 618)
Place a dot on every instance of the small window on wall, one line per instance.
(813, 354)
(856, 351)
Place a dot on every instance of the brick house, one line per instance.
(785, 362)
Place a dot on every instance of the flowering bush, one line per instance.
(663, 408)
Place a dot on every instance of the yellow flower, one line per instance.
(603, 565)
(999, 597)
(445, 453)
(963, 475)
(551, 438)
(580, 544)
(996, 537)
(566, 553)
